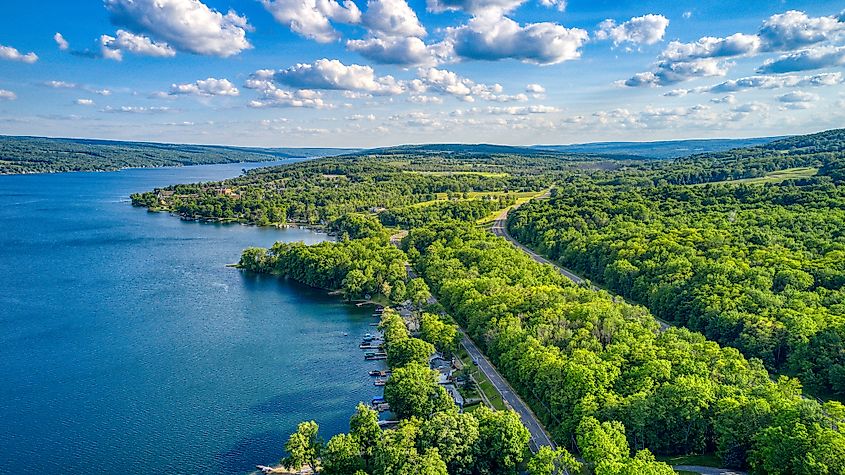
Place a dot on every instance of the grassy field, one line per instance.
(706, 460)
(458, 172)
(484, 384)
(474, 195)
(521, 198)
(773, 177)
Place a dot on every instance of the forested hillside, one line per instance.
(755, 270)
(403, 190)
(760, 267)
(48, 155)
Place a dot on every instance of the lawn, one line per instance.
(773, 177)
(483, 383)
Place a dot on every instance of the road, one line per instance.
(499, 228)
(539, 436)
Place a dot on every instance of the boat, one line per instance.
(379, 372)
(380, 382)
(375, 356)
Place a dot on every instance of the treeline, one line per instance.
(358, 268)
(323, 190)
(48, 155)
(815, 150)
(586, 362)
(464, 210)
(759, 268)
(432, 438)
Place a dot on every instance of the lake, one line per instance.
(128, 346)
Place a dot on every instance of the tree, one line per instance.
(341, 456)
(363, 426)
(603, 441)
(412, 391)
(443, 336)
(354, 284)
(454, 435)
(418, 292)
(303, 447)
(502, 442)
(548, 461)
(408, 350)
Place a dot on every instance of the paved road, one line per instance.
(707, 470)
(539, 436)
(500, 229)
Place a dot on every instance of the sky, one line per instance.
(366, 73)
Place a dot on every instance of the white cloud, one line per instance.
(113, 48)
(750, 107)
(441, 81)
(776, 82)
(312, 18)
(334, 75)
(61, 41)
(6, 95)
(423, 99)
(136, 110)
(492, 36)
(12, 54)
(559, 5)
(474, 6)
(205, 87)
(281, 98)
(392, 18)
(798, 96)
(647, 29)
(60, 84)
(406, 51)
(84, 102)
(794, 29)
(729, 99)
(359, 117)
(687, 15)
(779, 33)
(186, 25)
(804, 60)
(535, 89)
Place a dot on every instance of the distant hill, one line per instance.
(47, 155)
(492, 149)
(663, 149)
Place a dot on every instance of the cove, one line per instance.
(127, 346)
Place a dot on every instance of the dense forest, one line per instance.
(580, 357)
(757, 267)
(748, 257)
(48, 155)
(400, 187)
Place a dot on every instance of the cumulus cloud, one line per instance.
(84, 102)
(805, 60)
(406, 51)
(783, 33)
(61, 42)
(186, 25)
(60, 84)
(273, 96)
(775, 82)
(478, 6)
(441, 81)
(798, 97)
(794, 29)
(114, 47)
(205, 87)
(559, 5)
(392, 18)
(312, 18)
(334, 75)
(12, 54)
(6, 95)
(647, 30)
(492, 36)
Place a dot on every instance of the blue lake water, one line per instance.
(127, 346)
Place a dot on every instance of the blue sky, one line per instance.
(382, 72)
